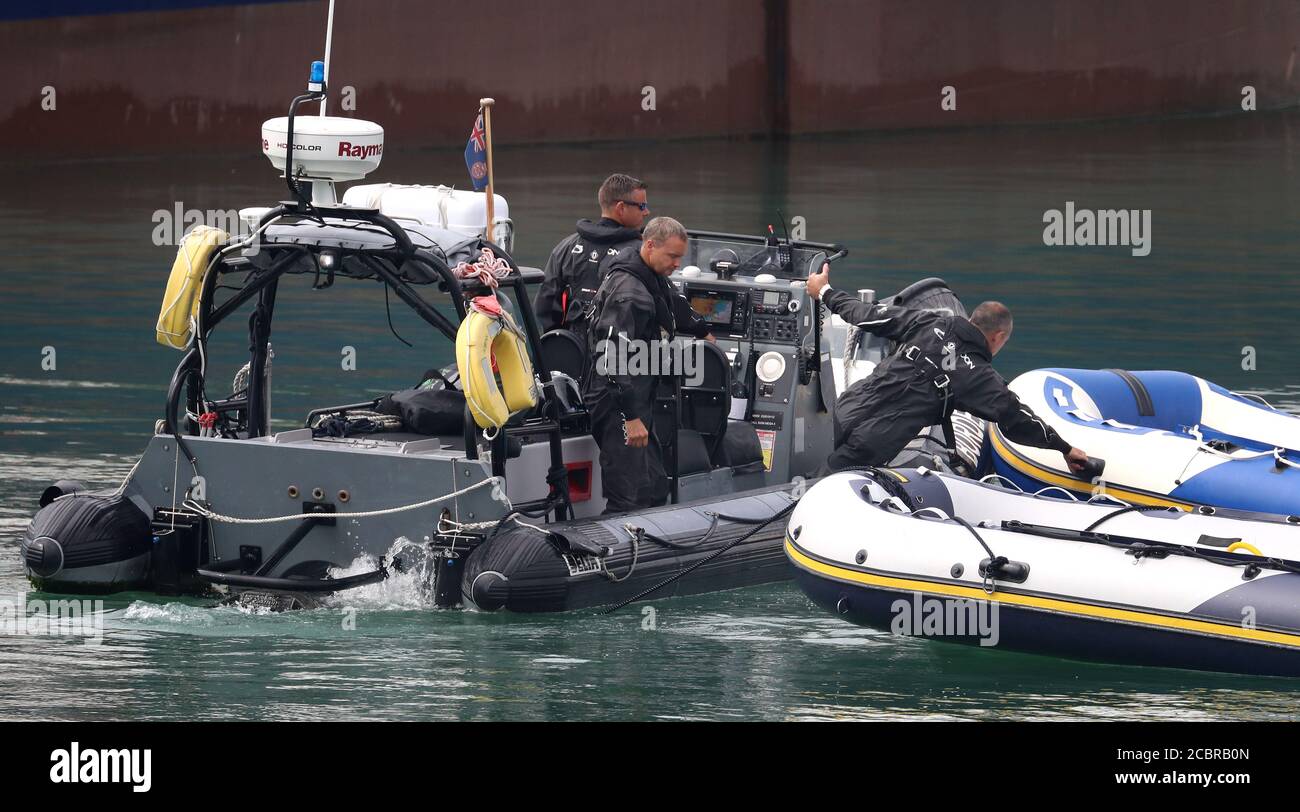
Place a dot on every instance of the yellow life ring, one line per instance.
(481, 338)
(180, 305)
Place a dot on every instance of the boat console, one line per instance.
(752, 291)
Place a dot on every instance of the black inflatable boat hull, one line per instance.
(523, 570)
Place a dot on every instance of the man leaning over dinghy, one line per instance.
(943, 362)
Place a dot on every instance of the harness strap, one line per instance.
(942, 382)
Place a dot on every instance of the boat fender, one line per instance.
(180, 305)
(487, 339)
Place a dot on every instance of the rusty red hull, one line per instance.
(564, 70)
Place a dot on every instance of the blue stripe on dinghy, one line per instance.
(1053, 385)
(1245, 484)
(1176, 396)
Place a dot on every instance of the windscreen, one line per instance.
(749, 257)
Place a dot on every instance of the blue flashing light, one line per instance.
(317, 73)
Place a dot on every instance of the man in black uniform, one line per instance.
(580, 262)
(942, 363)
(633, 312)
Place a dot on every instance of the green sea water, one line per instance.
(81, 275)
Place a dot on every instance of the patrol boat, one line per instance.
(921, 553)
(486, 479)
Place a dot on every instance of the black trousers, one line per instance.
(632, 478)
(874, 440)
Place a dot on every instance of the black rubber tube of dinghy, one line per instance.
(293, 584)
(683, 573)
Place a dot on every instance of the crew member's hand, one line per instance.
(1076, 459)
(709, 338)
(637, 435)
(817, 281)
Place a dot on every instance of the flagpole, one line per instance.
(486, 104)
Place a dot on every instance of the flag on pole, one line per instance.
(476, 154)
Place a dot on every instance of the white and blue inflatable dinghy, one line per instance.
(1168, 438)
(926, 554)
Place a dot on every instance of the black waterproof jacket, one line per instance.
(942, 363)
(574, 271)
(577, 267)
(633, 304)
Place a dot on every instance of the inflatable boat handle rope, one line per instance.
(1010, 485)
(217, 517)
(889, 486)
(1278, 454)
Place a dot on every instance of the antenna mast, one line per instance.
(329, 37)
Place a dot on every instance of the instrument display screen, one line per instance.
(771, 297)
(714, 308)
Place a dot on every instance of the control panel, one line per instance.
(745, 311)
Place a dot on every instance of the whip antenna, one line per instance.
(329, 37)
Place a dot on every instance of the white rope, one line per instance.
(453, 527)
(217, 517)
(936, 511)
(1073, 498)
(1096, 497)
(895, 503)
(984, 479)
(1278, 454)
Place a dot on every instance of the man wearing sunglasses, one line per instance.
(582, 260)
(578, 263)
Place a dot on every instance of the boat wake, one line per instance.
(409, 584)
